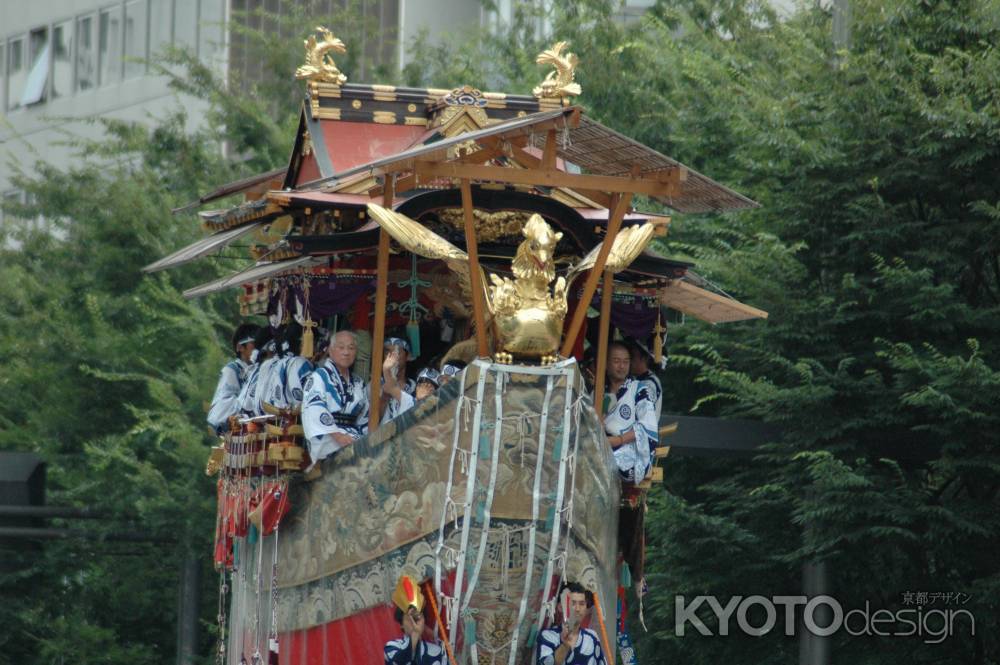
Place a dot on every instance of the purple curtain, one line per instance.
(326, 297)
(635, 319)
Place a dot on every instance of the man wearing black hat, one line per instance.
(225, 400)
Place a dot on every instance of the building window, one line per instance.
(62, 59)
(86, 54)
(17, 72)
(109, 46)
(135, 38)
(38, 74)
(186, 24)
(161, 25)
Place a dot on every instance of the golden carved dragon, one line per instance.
(526, 312)
(559, 83)
(319, 65)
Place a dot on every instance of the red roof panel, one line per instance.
(351, 144)
(308, 171)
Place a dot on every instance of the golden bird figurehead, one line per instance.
(535, 258)
(408, 594)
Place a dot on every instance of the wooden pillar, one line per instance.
(620, 204)
(381, 290)
(549, 154)
(478, 300)
(602, 344)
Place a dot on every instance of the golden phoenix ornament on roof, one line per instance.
(558, 84)
(319, 65)
(527, 312)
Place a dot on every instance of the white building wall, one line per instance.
(66, 62)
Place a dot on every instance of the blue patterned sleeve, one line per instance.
(599, 654)
(646, 431)
(398, 652)
(547, 647)
(431, 654)
(362, 420)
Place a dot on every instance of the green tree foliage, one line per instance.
(105, 371)
(875, 250)
(104, 374)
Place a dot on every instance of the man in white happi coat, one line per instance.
(231, 379)
(630, 417)
(640, 366)
(268, 375)
(335, 403)
(264, 350)
(397, 390)
(283, 386)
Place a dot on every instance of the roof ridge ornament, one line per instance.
(319, 66)
(560, 83)
(465, 95)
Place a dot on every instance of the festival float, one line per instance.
(484, 226)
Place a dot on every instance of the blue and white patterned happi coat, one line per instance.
(332, 404)
(652, 383)
(398, 652)
(405, 402)
(633, 409)
(286, 387)
(247, 399)
(267, 378)
(225, 401)
(586, 652)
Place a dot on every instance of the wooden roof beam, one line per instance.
(664, 184)
(408, 182)
(516, 151)
(480, 156)
(526, 159)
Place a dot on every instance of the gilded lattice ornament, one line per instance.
(463, 148)
(319, 66)
(448, 119)
(559, 84)
(490, 226)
